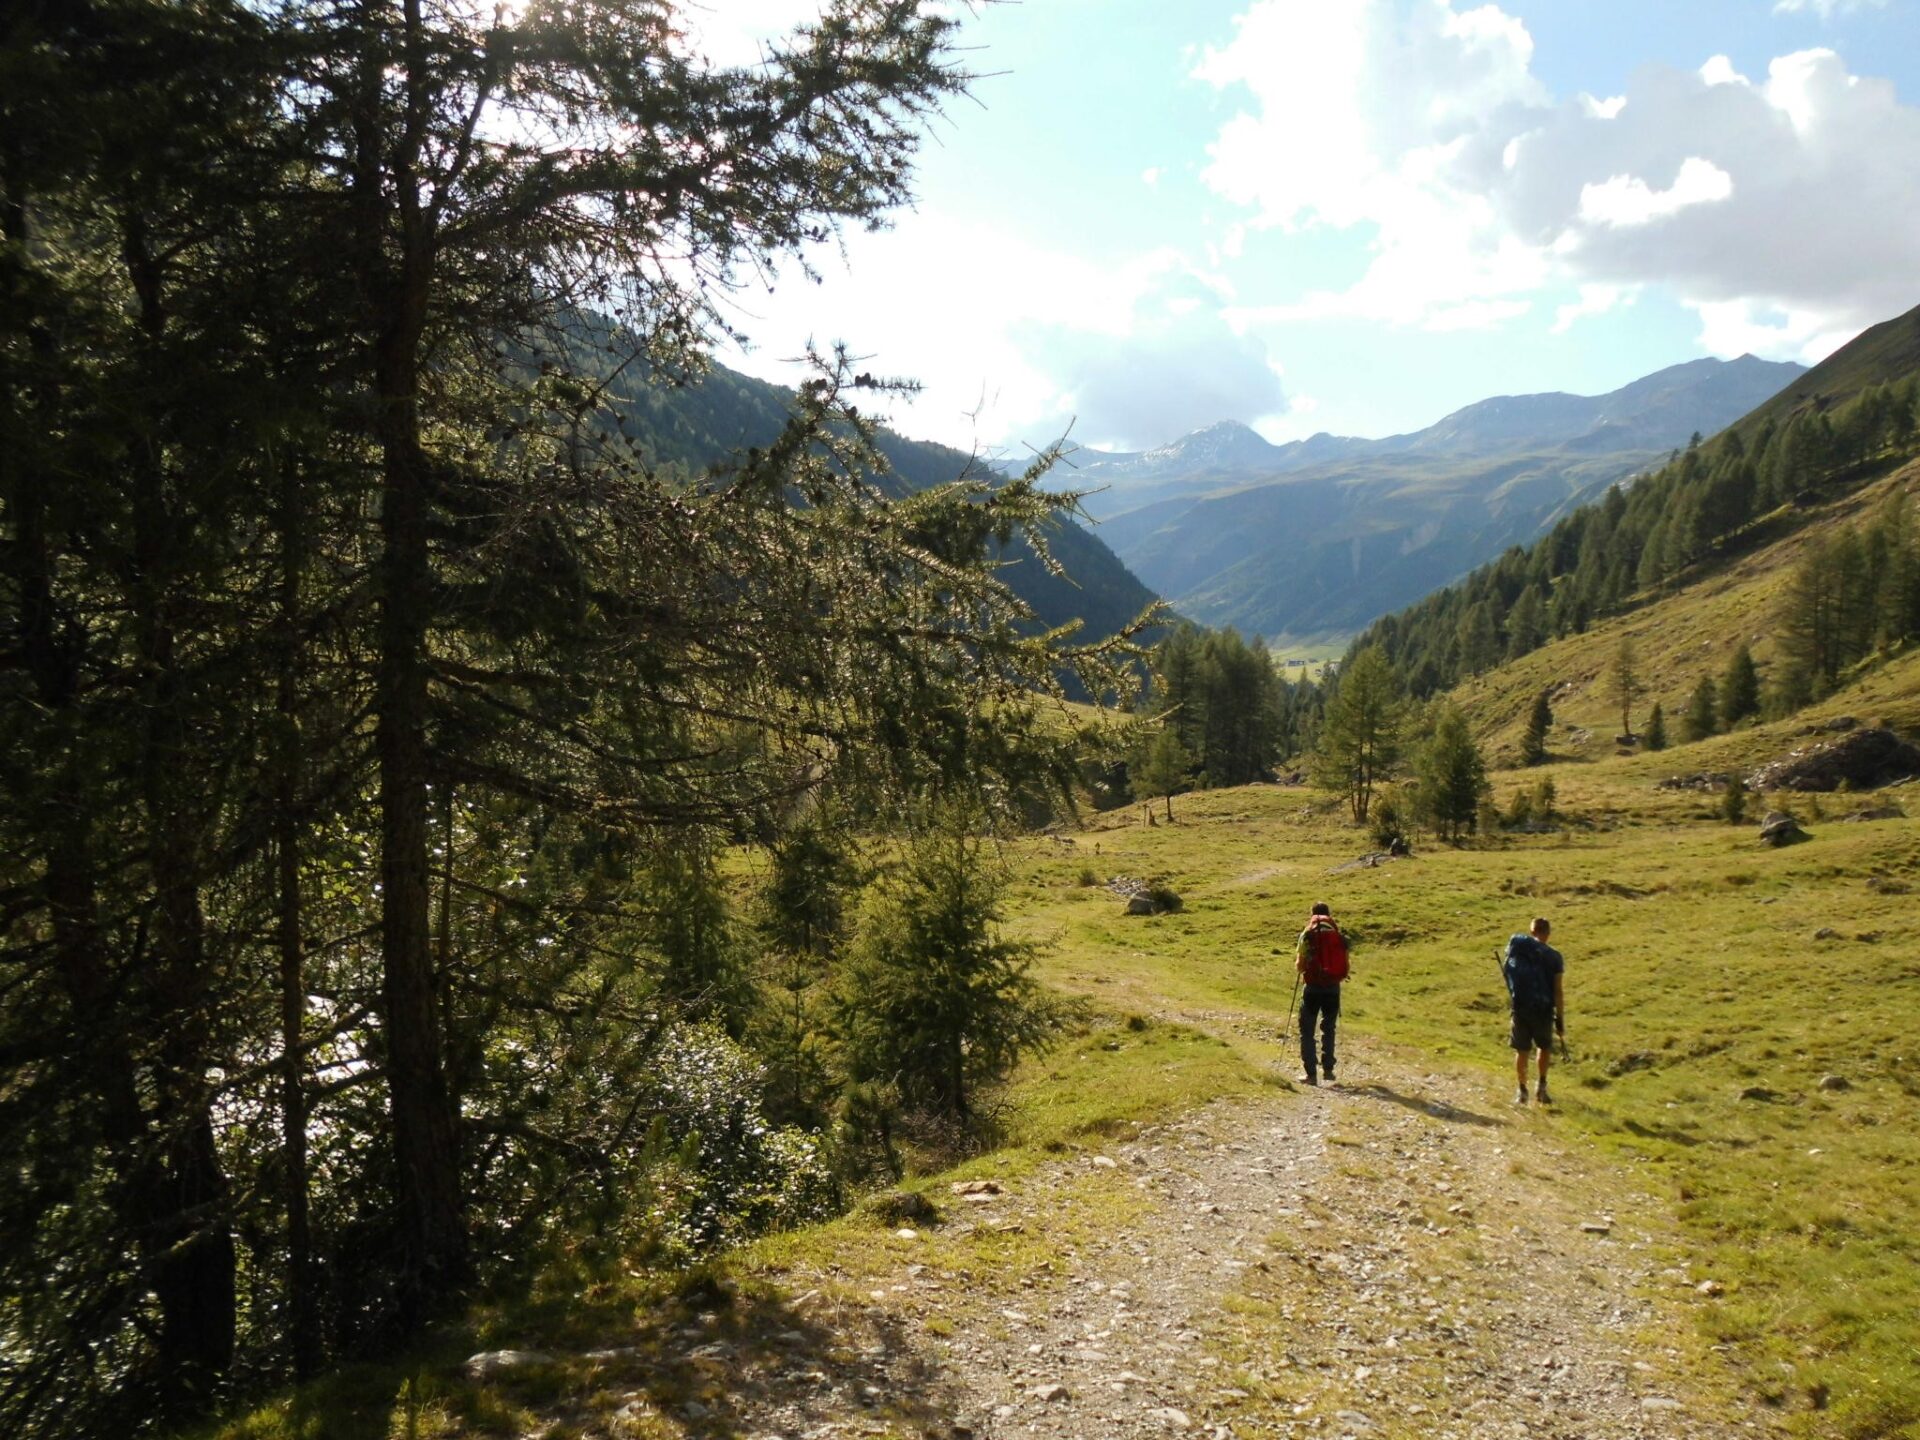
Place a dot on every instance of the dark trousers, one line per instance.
(1323, 1002)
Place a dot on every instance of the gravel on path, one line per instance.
(1398, 1254)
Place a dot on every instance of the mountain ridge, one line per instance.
(1324, 535)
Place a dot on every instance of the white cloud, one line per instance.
(1776, 209)
(1351, 101)
(1628, 200)
(1826, 9)
(1028, 341)
(1731, 328)
(1179, 363)
(1594, 300)
(1150, 177)
(1719, 71)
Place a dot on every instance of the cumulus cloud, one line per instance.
(1594, 300)
(1628, 200)
(1016, 342)
(1773, 207)
(1182, 365)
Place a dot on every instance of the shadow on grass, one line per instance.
(747, 1361)
(1439, 1109)
(1671, 1134)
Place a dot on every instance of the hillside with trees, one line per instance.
(1758, 482)
(684, 419)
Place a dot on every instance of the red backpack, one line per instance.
(1326, 952)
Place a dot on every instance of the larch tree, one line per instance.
(1361, 734)
(1453, 775)
(1533, 742)
(1625, 685)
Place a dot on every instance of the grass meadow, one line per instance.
(1704, 1017)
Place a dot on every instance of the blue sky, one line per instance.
(1358, 215)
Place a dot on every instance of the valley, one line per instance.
(1322, 536)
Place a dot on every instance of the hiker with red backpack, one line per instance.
(1536, 989)
(1320, 958)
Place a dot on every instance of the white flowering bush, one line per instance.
(713, 1169)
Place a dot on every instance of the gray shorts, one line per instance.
(1532, 1030)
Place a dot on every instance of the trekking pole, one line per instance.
(1287, 1029)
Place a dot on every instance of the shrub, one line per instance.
(934, 1001)
(1387, 823)
(1733, 805)
(712, 1169)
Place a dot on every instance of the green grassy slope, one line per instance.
(1683, 635)
(1694, 980)
(1884, 352)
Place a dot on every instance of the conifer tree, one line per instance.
(1533, 744)
(1624, 683)
(1526, 623)
(1701, 719)
(1453, 775)
(1739, 688)
(1657, 728)
(357, 663)
(1479, 639)
(936, 1001)
(1360, 735)
(1164, 768)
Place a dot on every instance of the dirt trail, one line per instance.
(1397, 1254)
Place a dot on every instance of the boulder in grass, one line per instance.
(1779, 829)
(1699, 780)
(1861, 759)
(489, 1363)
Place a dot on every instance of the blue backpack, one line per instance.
(1529, 974)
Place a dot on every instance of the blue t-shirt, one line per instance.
(1531, 967)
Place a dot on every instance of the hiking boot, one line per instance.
(1328, 1072)
(1540, 1094)
(1309, 1078)
(1520, 1096)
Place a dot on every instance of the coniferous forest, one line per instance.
(1709, 501)
(377, 721)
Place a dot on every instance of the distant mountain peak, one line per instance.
(1326, 534)
(1224, 441)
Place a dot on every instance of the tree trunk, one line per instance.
(427, 1167)
(396, 278)
(193, 1264)
(303, 1316)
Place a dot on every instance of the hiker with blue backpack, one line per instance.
(1320, 960)
(1536, 992)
